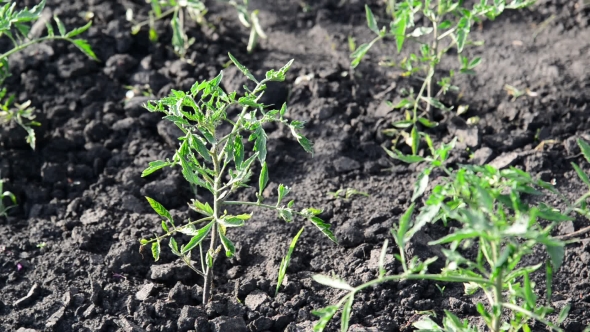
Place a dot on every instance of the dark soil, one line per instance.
(81, 192)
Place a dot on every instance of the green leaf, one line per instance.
(427, 123)
(286, 260)
(197, 239)
(371, 22)
(404, 223)
(529, 294)
(156, 250)
(459, 235)
(283, 191)
(174, 246)
(234, 221)
(79, 30)
(360, 52)
(324, 228)
(415, 140)
(585, 149)
(581, 175)
(325, 315)
(462, 33)
(160, 209)
(242, 68)
(549, 280)
(260, 144)
(165, 226)
(474, 63)
(563, 314)
(331, 282)
(230, 249)
(421, 184)
(420, 31)
(198, 144)
(60, 26)
(395, 154)
(556, 252)
(205, 209)
(262, 180)
(400, 31)
(238, 152)
(154, 166)
(346, 310)
(83, 46)
(283, 110)
(49, 29)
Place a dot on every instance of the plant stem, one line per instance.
(216, 186)
(497, 320)
(29, 43)
(431, 67)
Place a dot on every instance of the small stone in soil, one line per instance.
(255, 299)
(180, 293)
(504, 160)
(227, 324)
(144, 292)
(55, 318)
(345, 164)
(30, 297)
(482, 156)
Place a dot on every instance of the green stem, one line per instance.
(498, 299)
(209, 273)
(436, 277)
(164, 14)
(29, 43)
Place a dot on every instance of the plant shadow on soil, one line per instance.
(81, 192)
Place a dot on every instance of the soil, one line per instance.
(81, 195)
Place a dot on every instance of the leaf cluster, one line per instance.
(3, 195)
(502, 217)
(195, 10)
(218, 161)
(15, 24)
(448, 24)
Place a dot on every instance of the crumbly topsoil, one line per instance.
(80, 193)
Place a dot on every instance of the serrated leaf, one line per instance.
(283, 191)
(331, 282)
(263, 179)
(229, 247)
(79, 30)
(325, 315)
(83, 46)
(234, 221)
(160, 209)
(60, 26)
(371, 22)
(581, 174)
(400, 31)
(165, 226)
(359, 53)
(154, 166)
(242, 68)
(323, 227)
(49, 29)
(156, 250)
(260, 144)
(143, 242)
(174, 246)
(205, 209)
(283, 110)
(420, 185)
(197, 239)
(400, 156)
(420, 31)
(238, 152)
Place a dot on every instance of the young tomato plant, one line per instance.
(5, 194)
(196, 10)
(447, 26)
(219, 163)
(16, 25)
(487, 253)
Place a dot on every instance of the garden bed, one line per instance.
(70, 257)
